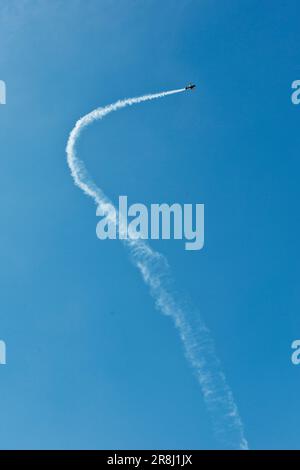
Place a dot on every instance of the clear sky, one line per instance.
(90, 362)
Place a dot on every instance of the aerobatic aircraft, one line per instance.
(190, 86)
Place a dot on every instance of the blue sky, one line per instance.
(91, 363)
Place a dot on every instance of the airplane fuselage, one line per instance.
(190, 87)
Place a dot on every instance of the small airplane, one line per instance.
(190, 86)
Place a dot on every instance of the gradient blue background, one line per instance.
(91, 363)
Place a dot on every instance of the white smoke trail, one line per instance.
(198, 344)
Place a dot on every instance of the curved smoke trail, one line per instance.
(195, 336)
